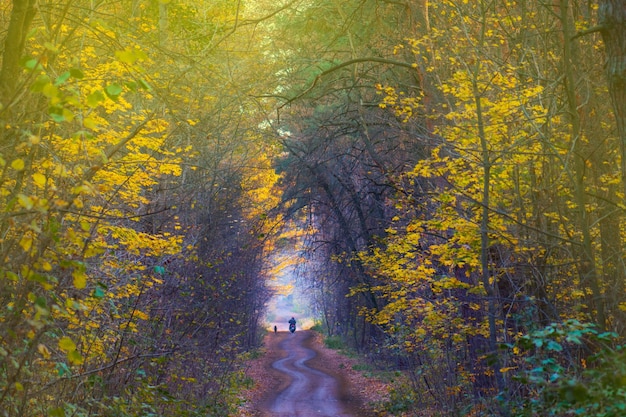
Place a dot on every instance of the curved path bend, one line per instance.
(309, 392)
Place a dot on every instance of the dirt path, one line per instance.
(298, 377)
(310, 392)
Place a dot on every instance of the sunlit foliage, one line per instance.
(113, 114)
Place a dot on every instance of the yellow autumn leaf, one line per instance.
(82, 189)
(25, 201)
(26, 242)
(66, 344)
(80, 279)
(18, 164)
(50, 90)
(90, 123)
(140, 315)
(43, 350)
(74, 357)
(39, 179)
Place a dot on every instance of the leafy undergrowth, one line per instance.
(385, 393)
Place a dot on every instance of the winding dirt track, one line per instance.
(309, 391)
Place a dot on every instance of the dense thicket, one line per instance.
(474, 219)
(457, 167)
(136, 196)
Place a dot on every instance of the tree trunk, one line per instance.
(587, 268)
(21, 17)
(612, 21)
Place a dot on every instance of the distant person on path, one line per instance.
(275, 329)
(292, 325)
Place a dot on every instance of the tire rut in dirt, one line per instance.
(311, 393)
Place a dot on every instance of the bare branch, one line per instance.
(346, 64)
(593, 29)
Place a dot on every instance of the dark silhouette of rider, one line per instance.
(292, 321)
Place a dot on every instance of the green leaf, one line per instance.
(57, 117)
(63, 369)
(40, 83)
(95, 98)
(53, 228)
(12, 276)
(144, 84)
(62, 78)
(77, 73)
(41, 302)
(60, 114)
(56, 412)
(607, 336)
(98, 292)
(51, 47)
(41, 279)
(33, 64)
(113, 90)
(554, 346)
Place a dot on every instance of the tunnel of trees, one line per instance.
(451, 173)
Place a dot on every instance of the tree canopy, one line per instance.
(451, 175)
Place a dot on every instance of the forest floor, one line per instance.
(358, 393)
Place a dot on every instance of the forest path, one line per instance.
(310, 392)
(301, 380)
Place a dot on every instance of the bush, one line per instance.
(318, 327)
(334, 342)
(402, 398)
(563, 382)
